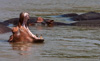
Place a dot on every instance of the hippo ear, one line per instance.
(52, 21)
(14, 29)
(40, 19)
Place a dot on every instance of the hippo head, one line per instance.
(50, 23)
(21, 32)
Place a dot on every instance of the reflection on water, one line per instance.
(24, 48)
(61, 43)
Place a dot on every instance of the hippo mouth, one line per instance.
(24, 17)
(22, 32)
(25, 23)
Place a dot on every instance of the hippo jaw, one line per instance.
(24, 17)
(21, 33)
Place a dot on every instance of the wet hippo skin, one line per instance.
(4, 29)
(87, 16)
(15, 21)
(33, 20)
(51, 23)
(21, 32)
(90, 19)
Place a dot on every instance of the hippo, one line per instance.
(21, 32)
(33, 21)
(87, 16)
(15, 21)
(90, 19)
(4, 28)
(51, 23)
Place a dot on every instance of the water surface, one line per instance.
(62, 43)
(12, 8)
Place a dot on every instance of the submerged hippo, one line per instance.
(21, 32)
(36, 20)
(87, 16)
(4, 29)
(15, 21)
(31, 22)
(90, 19)
(51, 23)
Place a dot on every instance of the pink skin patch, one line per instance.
(40, 19)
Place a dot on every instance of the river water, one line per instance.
(62, 43)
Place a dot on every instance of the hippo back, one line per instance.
(4, 29)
